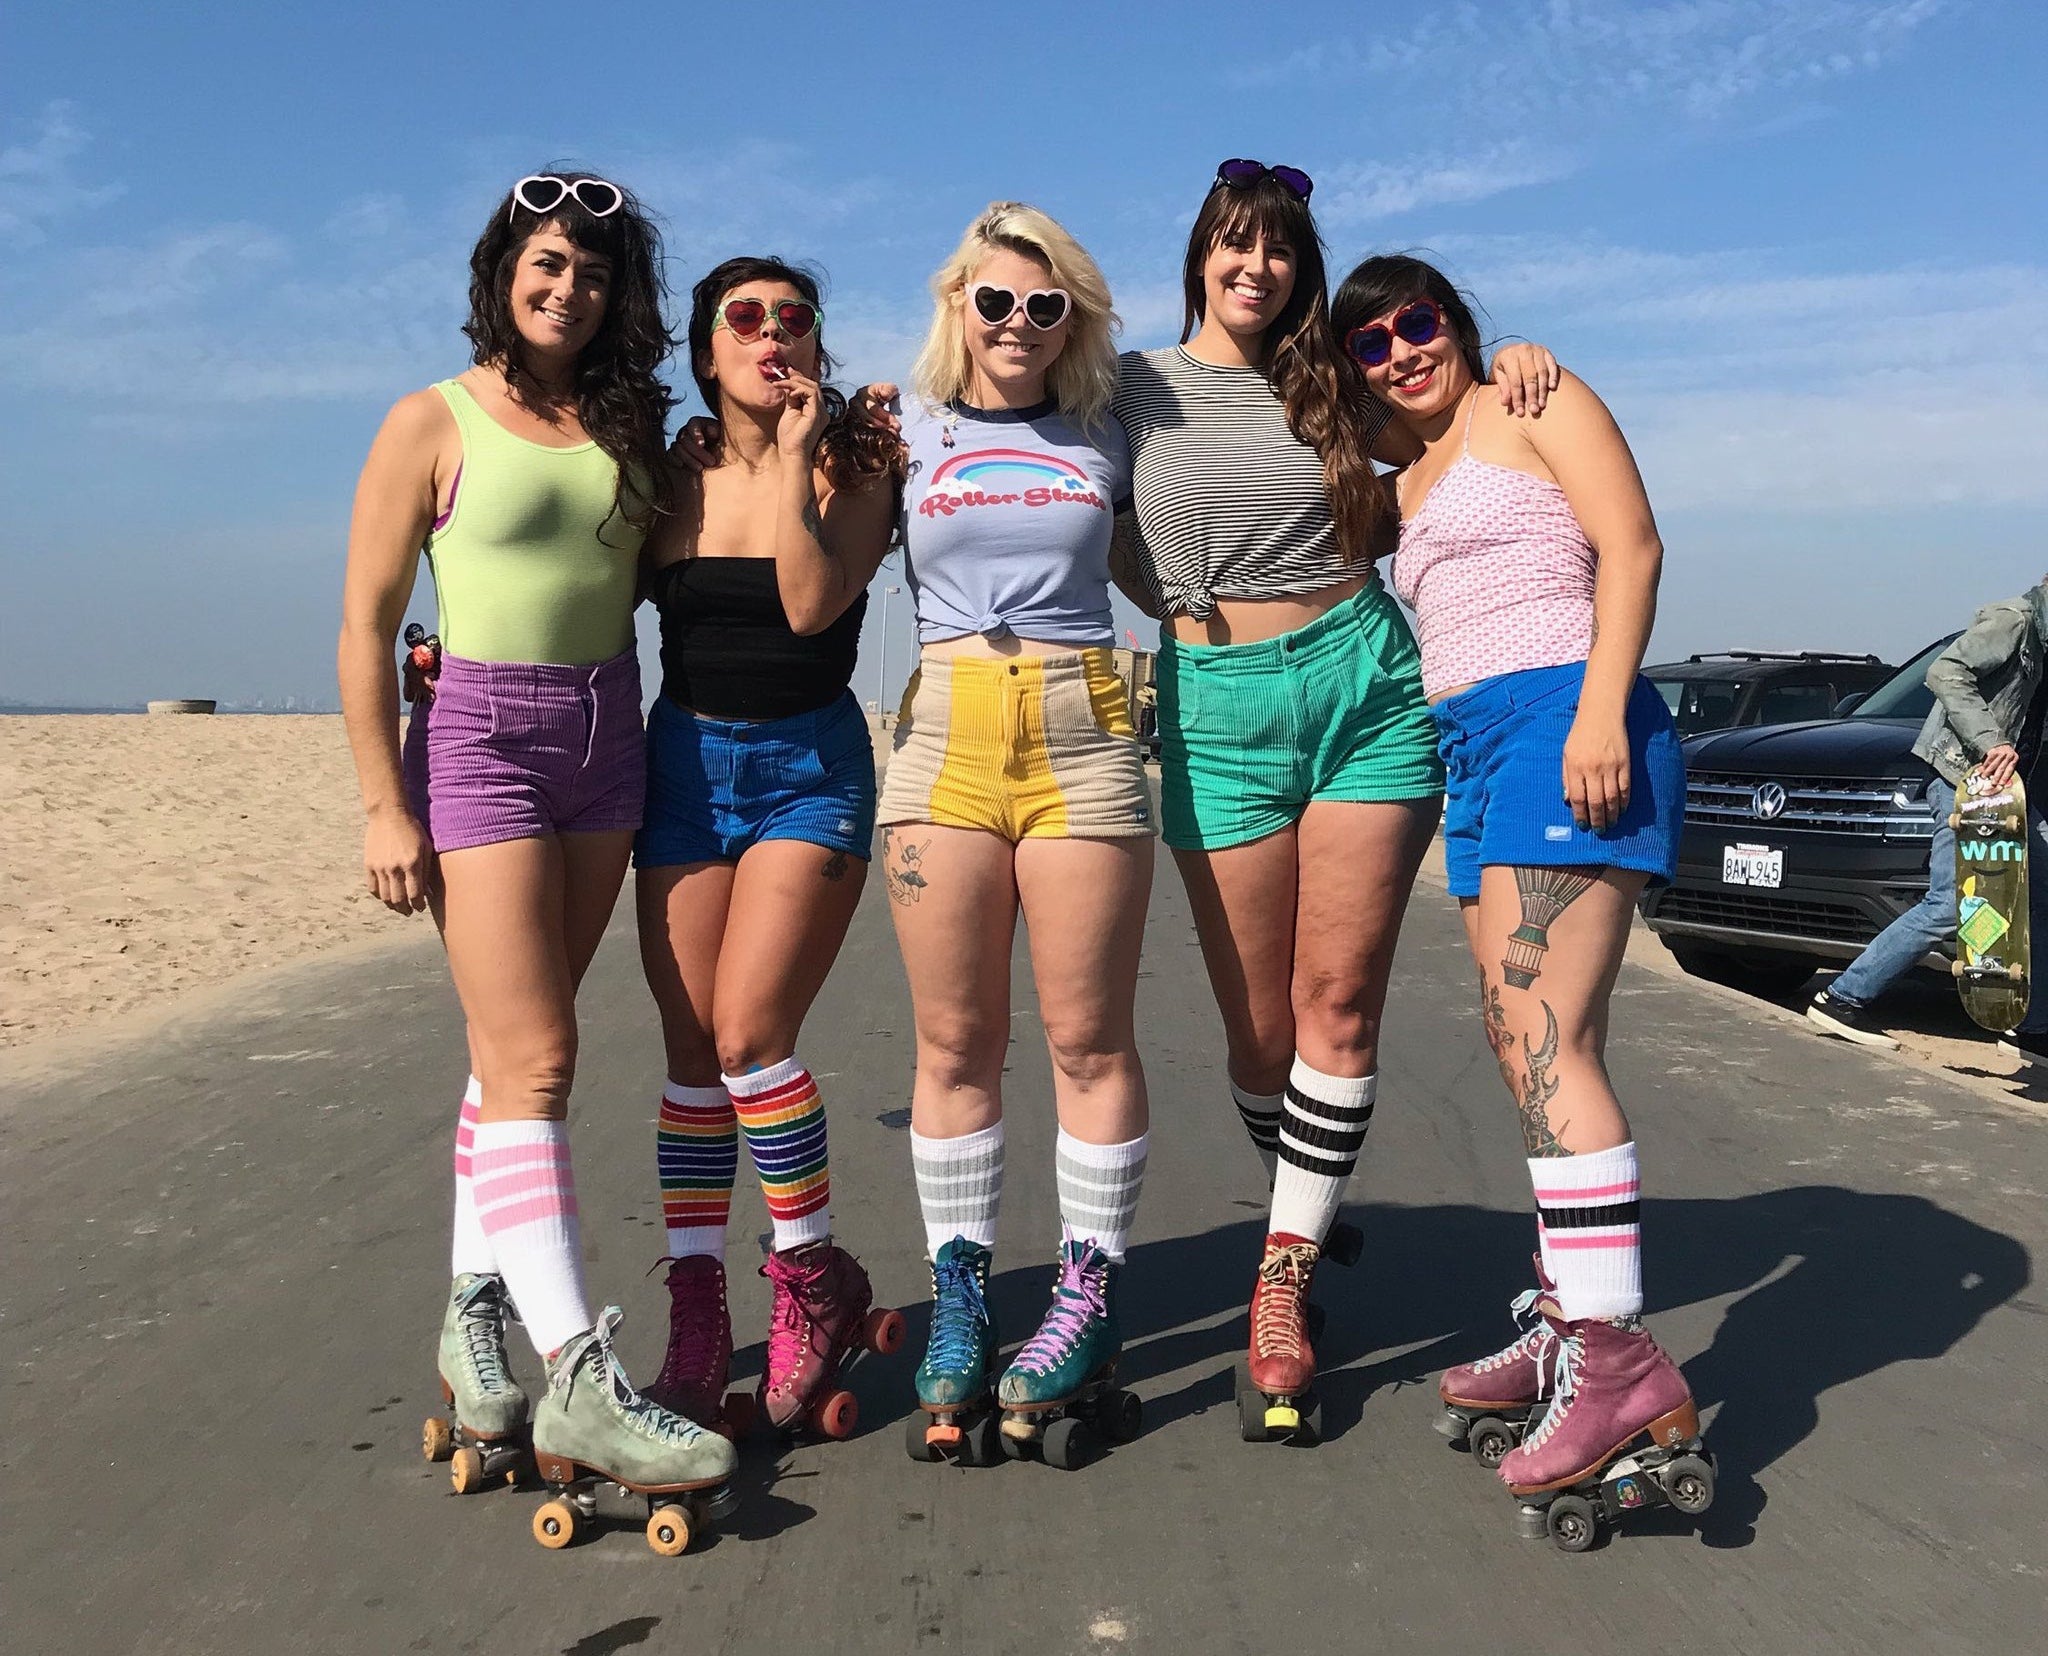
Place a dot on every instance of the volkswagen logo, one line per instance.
(1768, 802)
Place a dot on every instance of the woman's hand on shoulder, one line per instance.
(697, 446)
(872, 405)
(1525, 375)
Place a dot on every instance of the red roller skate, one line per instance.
(693, 1372)
(1275, 1398)
(823, 1318)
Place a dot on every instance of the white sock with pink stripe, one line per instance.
(471, 1253)
(526, 1202)
(1587, 1221)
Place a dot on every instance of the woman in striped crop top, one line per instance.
(1530, 555)
(529, 483)
(1299, 775)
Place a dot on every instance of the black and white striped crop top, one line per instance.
(1230, 503)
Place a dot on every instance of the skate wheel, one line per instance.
(1121, 1415)
(668, 1531)
(883, 1332)
(437, 1438)
(1344, 1245)
(1571, 1524)
(836, 1415)
(1068, 1444)
(978, 1443)
(738, 1413)
(1454, 1426)
(1251, 1413)
(1014, 1447)
(918, 1441)
(466, 1470)
(1489, 1441)
(556, 1523)
(1689, 1482)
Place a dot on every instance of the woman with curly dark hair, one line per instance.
(529, 481)
(1299, 775)
(761, 806)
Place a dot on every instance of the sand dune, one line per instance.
(141, 857)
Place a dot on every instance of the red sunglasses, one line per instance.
(747, 317)
(1417, 323)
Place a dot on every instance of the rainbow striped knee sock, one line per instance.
(784, 1120)
(697, 1157)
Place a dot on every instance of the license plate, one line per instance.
(1752, 865)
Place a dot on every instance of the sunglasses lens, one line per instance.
(1419, 324)
(539, 194)
(1369, 347)
(598, 196)
(994, 304)
(796, 318)
(1294, 180)
(1045, 310)
(745, 316)
(1240, 173)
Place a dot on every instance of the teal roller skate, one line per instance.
(593, 1429)
(484, 1434)
(955, 1415)
(1060, 1394)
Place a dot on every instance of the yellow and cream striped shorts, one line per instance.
(1035, 747)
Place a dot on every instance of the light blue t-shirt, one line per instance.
(1006, 520)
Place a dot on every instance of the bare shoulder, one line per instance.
(422, 414)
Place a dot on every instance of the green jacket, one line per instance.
(1984, 683)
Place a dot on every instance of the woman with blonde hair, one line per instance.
(1015, 785)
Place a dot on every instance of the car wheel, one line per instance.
(1765, 972)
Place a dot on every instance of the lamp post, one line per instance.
(882, 669)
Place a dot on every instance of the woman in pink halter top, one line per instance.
(1530, 557)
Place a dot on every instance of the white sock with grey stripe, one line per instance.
(1260, 1113)
(959, 1185)
(1099, 1185)
(1322, 1129)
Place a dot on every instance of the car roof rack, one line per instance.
(1789, 655)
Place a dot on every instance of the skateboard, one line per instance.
(1065, 1433)
(1264, 1417)
(1991, 901)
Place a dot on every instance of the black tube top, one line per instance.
(727, 648)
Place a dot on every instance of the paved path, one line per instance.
(224, 1254)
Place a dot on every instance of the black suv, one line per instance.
(1759, 687)
(1802, 841)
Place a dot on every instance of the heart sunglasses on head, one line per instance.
(1044, 308)
(1240, 174)
(745, 318)
(1418, 323)
(544, 192)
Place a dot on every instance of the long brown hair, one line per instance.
(1324, 408)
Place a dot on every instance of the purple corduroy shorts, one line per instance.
(512, 750)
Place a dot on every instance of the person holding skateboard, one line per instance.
(761, 812)
(529, 482)
(1990, 698)
(1531, 559)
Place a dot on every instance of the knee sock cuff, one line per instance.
(756, 1082)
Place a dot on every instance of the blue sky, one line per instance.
(1799, 248)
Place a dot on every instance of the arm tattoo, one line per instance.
(900, 860)
(814, 526)
(1538, 1090)
(1546, 893)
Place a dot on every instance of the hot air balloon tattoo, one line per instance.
(1546, 893)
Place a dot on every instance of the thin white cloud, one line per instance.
(38, 184)
(1360, 193)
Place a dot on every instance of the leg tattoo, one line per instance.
(1538, 1090)
(1495, 1021)
(901, 859)
(1546, 893)
(836, 866)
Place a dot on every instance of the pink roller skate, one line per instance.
(693, 1373)
(1488, 1404)
(823, 1317)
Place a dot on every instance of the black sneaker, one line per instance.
(1848, 1021)
(2027, 1045)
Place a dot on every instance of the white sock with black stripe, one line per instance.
(1323, 1119)
(1260, 1113)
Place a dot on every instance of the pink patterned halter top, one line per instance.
(1498, 572)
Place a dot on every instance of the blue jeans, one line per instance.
(1932, 921)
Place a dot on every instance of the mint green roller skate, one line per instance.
(955, 1413)
(1060, 1396)
(592, 1429)
(484, 1435)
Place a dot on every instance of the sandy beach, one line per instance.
(143, 857)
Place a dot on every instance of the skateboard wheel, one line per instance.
(1068, 1444)
(1490, 1441)
(1121, 1415)
(437, 1439)
(1689, 1481)
(668, 1531)
(556, 1523)
(920, 1437)
(837, 1415)
(1251, 1412)
(883, 1332)
(466, 1470)
(1571, 1524)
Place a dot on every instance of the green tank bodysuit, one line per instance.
(530, 562)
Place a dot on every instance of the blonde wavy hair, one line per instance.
(1082, 381)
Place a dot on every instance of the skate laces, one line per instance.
(483, 1331)
(1276, 1315)
(789, 1319)
(959, 1314)
(648, 1416)
(1077, 1298)
(1537, 1343)
(1571, 1352)
(697, 1329)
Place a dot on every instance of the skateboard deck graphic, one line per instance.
(1991, 902)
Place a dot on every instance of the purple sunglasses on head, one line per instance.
(1241, 174)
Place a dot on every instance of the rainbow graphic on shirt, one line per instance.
(1007, 477)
